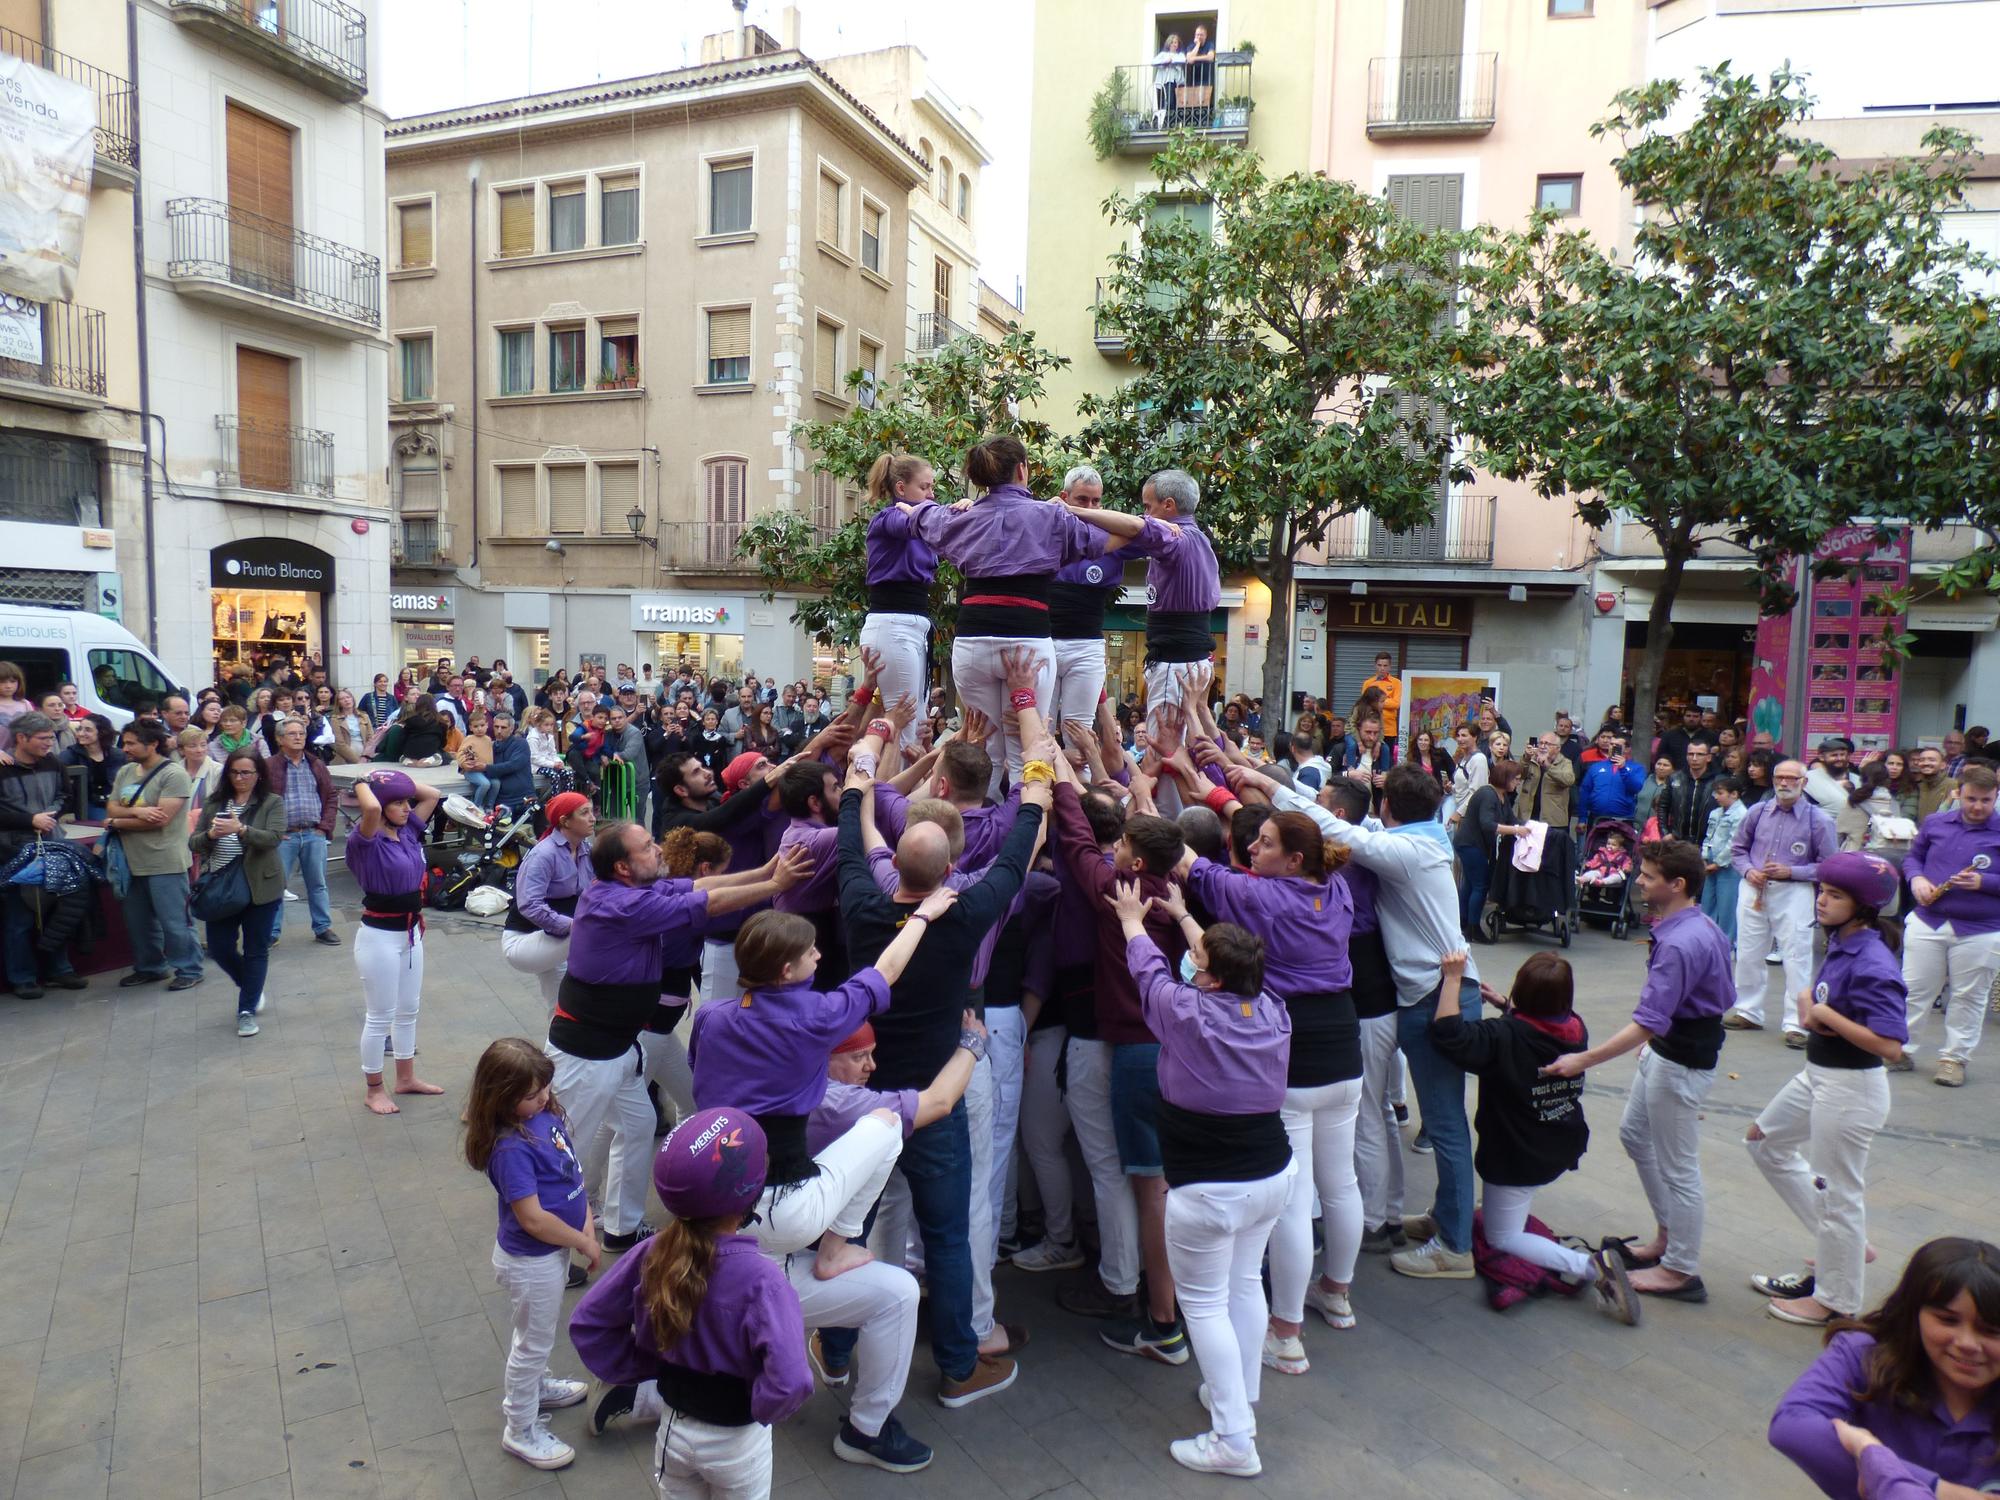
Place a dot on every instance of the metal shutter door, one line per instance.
(566, 497)
(517, 501)
(1433, 653)
(1353, 664)
(617, 493)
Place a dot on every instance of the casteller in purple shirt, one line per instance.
(1944, 846)
(897, 552)
(1690, 984)
(766, 1054)
(1220, 1054)
(1008, 533)
(536, 1161)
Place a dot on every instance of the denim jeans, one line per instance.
(1440, 1088)
(1718, 899)
(483, 788)
(305, 852)
(19, 944)
(1477, 867)
(241, 948)
(156, 917)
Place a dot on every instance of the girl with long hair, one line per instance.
(517, 1134)
(696, 1326)
(385, 854)
(901, 569)
(13, 699)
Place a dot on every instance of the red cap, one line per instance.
(561, 805)
(738, 770)
(862, 1039)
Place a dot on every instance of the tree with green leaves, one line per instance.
(1290, 357)
(1746, 377)
(935, 406)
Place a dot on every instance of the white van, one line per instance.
(112, 671)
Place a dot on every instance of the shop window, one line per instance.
(414, 358)
(566, 359)
(618, 351)
(618, 210)
(729, 346)
(729, 197)
(566, 217)
(517, 361)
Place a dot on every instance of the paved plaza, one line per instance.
(220, 1276)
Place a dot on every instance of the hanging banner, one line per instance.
(20, 329)
(1848, 689)
(46, 144)
(1768, 667)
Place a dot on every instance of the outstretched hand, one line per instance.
(791, 866)
(1128, 901)
(1023, 667)
(937, 903)
(1166, 726)
(1174, 903)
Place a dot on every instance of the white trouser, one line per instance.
(1503, 1214)
(700, 1461)
(1089, 1070)
(1936, 957)
(982, 684)
(534, 1287)
(1163, 686)
(1399, 1074)
(663, 1060)
(982, 1230)
(902, 641)
(1661, 1132)
(852, 1171)
(1319, 1122)
(880, 1302)
(541, 954)
(667, 1065)
(1006, 1055)
(1378, 1145)
(1216, 1233)
(1834, 1113)
(610, 1095)
(1786, 919)
(720, 978)
(1044, 1123)
(1079, 681)
(392, 981)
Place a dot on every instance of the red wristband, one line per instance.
(864, 696)
(1023, 700)
(1219, 799)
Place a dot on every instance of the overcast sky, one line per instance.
(440, 53)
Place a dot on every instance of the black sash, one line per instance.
(785, 1139)
(397, 912)
(516, 922)
(1178, 635)
(719, 1400)
(598, 1022)
(1195, 1147)
(1692, 1042)
(908, 598)
(1838, 1052)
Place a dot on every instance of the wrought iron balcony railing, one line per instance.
(1462, 537)
(324, 42)
(282, 459)
(216, 243)
(710, 546)
(115, 141)
(422, 542)
(67, 340)
(935, 330)
(1153, 100)
(1446, 93)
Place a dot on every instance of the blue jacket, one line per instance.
(512, 772)
(1608, 792)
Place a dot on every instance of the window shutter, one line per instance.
(826, 359)
(1434, 201)
(414, 220)
(829, 208)
(725, 491)
(617, 328)
(729, 334)
(566, 497)
(517, 222)
(264, 420)
(517, 501)
(260, 165)
(617, 493)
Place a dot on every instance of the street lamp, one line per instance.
(635, 521)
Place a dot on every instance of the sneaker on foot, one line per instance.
(1335, 1307)
(1209, 1454)
(627, 1240)
(1904, 1063)
(992, 1372)
(1735, 1020)
(1774, 959)
(538, 1448)
(832, 1374)
(1422, 1144)
(1049, 1255)
(1090, 1298)
(186, 981)
(246, 1023)
(1285, 1355)
(1402, 1113)
(558, 1393)
(1168, 1344)
(892, 1448)
(607, 1404)
(1797, 1284)
(1433, 1259)
(1380, 1241)
(1796, 1040)
(1950, 1073)
(1419, 1227)
(329, 938)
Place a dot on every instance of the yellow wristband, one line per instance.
(1038, 770)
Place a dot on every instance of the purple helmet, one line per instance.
(713, 1164)
(392, 786)
(1868, 878)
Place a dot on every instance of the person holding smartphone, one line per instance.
(1610, 788)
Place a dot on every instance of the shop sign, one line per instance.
(272, 563)
(1411, 616)
(722, 613)
(423, 604)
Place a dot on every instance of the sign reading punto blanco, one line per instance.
(722, 614)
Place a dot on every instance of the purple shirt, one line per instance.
(896, 554)
(1927, 1445)
(1097, 570)
(625, 934)
(766, 1053)
(1182, 575)
(537, 1161)
(1220, 1054)
(553, 871)
(1304, 926)
(1690, 973)
(386, 864)
(1008, 533)
(986, 826)
(843, 1105)
(1945, 845)
(1862, 980)
(816, 892)
(748, 1325)
(1360, 885)
(1800, 836)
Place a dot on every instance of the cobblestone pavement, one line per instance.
(220, 1275)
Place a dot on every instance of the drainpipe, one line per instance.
(145, 361)
(472, 190)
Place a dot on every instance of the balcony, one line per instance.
(319, 42)
(52, 352)
(223, 254)
(1463, 539)
(935, 330)
(1450, 93)
(710, 546)
(283, 460)
(117, 147)
(1146, 110)
(422, 542)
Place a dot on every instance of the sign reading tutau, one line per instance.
(1441, 616)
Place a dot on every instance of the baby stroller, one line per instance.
(1612, 905)
(504, 837)
(1534, 899)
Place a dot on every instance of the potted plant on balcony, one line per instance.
(626, 379)
(1233, 113)
(1112, 116)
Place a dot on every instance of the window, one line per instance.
(944, 181)
(1196, 211)
(566, 217)
(566, 359)
(618, 210)
(924, 150)
(413, 236)
(873, 222)
(870, 364)
(566, 497)
(133, 679)
(617, 496)
(832, 208)
(729, 346)
(964, 196)
(517, 222)
(1571, 7)
(723, 483)
(517, 500)
(826, 503)
(826, 358)
(415, 360)
(618, 353)
(1560, 195)
(729, 198)
(941, 290)
(517, 361)
(263, 420)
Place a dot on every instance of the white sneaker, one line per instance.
(1433, 1260)
(538, 1448)
(290, 897)
(558, 1393)
(1335, 1307)
(258, 1008)
(1208, 1454)
(1049, 1255)
(1287, 1356)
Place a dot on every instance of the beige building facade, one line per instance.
(610, 306)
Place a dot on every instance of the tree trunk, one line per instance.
(1277, 576)
(1675, 550)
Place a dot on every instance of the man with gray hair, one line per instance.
(32, 793)
(1183, 587)
(1077, 598)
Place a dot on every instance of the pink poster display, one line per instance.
(1848, 689)
(1767, 675)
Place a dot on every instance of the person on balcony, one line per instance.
(1168, 73)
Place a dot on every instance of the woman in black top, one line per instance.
(424, 732)
(715, 748)
(1426, 751)
(97, 752)
(1477, 838)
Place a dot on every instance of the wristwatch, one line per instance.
(972, 1042)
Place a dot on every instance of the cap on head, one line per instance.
(712, 1165)
(562, 805)
(392, 786)
(859, 1040)
(1868, 878)
(738, 770)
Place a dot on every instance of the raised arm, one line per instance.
(896, 957)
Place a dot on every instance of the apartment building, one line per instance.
(71, 447)
(610, 306)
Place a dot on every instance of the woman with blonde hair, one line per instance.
(901, 570)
